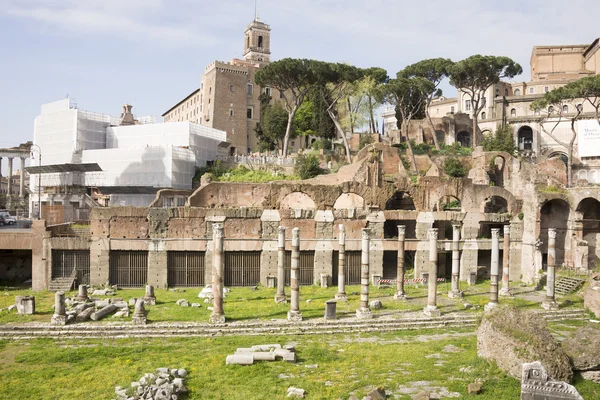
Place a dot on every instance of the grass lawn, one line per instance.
(244, 304)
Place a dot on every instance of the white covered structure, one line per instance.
(136, 159)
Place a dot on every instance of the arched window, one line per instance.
(247, 41)
(580, 107)
(260, 41)
(517, 92)
(506, 92)
(513, 112)
(483, 115)
(565, 109)
(550, 110)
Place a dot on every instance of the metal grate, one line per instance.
(185, 268)
(242, 268)
(352, 270)
(307, 268)
(128, 268)
(65, 261)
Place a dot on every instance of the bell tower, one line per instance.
(257, 42)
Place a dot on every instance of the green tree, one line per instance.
(307, 166)
(435, 70)
(476, 74)
(454, 167)
(588, 89)
(377, 78)
(274, 125)
(322, 124)
(293, 78)
(408, 96)
(501, 140)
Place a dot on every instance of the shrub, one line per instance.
(322, 144)
(420, 149)
(502, 140)
(365, 140)
(454, 167)
(307, 167)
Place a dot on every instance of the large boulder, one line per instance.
(511, 337)
(591, 295)
(584, 348)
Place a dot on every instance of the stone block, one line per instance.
(25, 305)
(240, 359)
(537, 385)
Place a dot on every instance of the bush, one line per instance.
(502, 140)
(365, 140)
(454, 167)
(420, 149)
(307, 167)
(401, 147)
(453, 150)
(319, 144)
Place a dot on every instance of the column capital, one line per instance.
(366, 233)
(506, 230)
(217, 231)
(342, 235)
(432, 233)
(552, 233)
(296, 237)
(495, 233)
(401, 230)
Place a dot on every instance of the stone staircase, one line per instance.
(567, 284)
(62, 284)
(110, 330)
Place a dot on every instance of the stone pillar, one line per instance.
(82, 294)
(494, 270)
(149, 297)
(550, 303)
(217, 316)
(455, 291)
(341, 294)
(400, 294)
(60, 315)
(280, 297)
(157, 263)
(364, 312)
(139, 313)
(294, 314)
(505, 291)
(10, 173)
(22, 179)
(431, 310)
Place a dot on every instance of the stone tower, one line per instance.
(257, 42)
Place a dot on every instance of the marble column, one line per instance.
(149, 297)
(217, 316)
(341, 293)
(550, 302)
(10, 173)
(400, 294)
(431, 310)
(22, 179)
(364, 312)
(294, 314)
(455, 291)
(82, 294)
(60, 315)
(494, 270)
(505, 291)
(280, 296)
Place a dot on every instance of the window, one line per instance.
(260, 41)
(230, 112)
(249, 88)
(231, 88)
(438, 111)
(249, 113)
(513, 112)
(580, 107)
(565, 109)
(268, 91)
(468, 105)
(210, 90)
(536, 112)
(506, 92)
(452, 110)
(483, 116)
(531, 90)
(517, 92)
(550, 110)
(546, 89)
(247, 41)
(281, 95)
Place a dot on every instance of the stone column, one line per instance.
(82, 294)
(505, 291)
(280, 296)
(364, 312)
(139, 313)
(149, 297)
(341, 294)
(400, 294)
(455, 292)
(22, 180)
(294, 314)
(550, 303)
(494, 270)
(10, 173)
(60, 315)
(217, 316)
(431, 310)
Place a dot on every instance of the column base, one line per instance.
(400, 296)
(294, 316)
(341, 297)
(550, 305)
(217, 319)
(364, 313)
(505, 293)
(458, 294)
(81, 299)
(432, 311)
(280, 299)
(490, 306)
(139, 320)
(150, 301)
(58, 320)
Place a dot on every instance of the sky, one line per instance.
(151, 53)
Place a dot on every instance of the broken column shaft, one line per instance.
(217, 316)
(455, 291)
(60, 316)
(505, 291)
(364, 312)
(294, 314)
(400, 294)
(341, 293)
(431, 310)
(550, 302)
(494, 270)
(280, 296)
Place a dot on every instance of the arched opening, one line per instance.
(590, 210)
(464, 138)
(349, 200)
(517, 92)
(260, 41)
(565, 109)
(247, 42)
(580, 107)
(298, 200)
(550, 109)
(495, 205)
(483, 115)
(400, 201)
(506, 92)
(554, 214)
(513, 112)
(498, 177)
(450, 203)
(558, 154)
(525, 138)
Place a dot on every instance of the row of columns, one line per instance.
(10, 174)
(364, 311)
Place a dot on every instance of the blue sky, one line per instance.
(151, 53)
